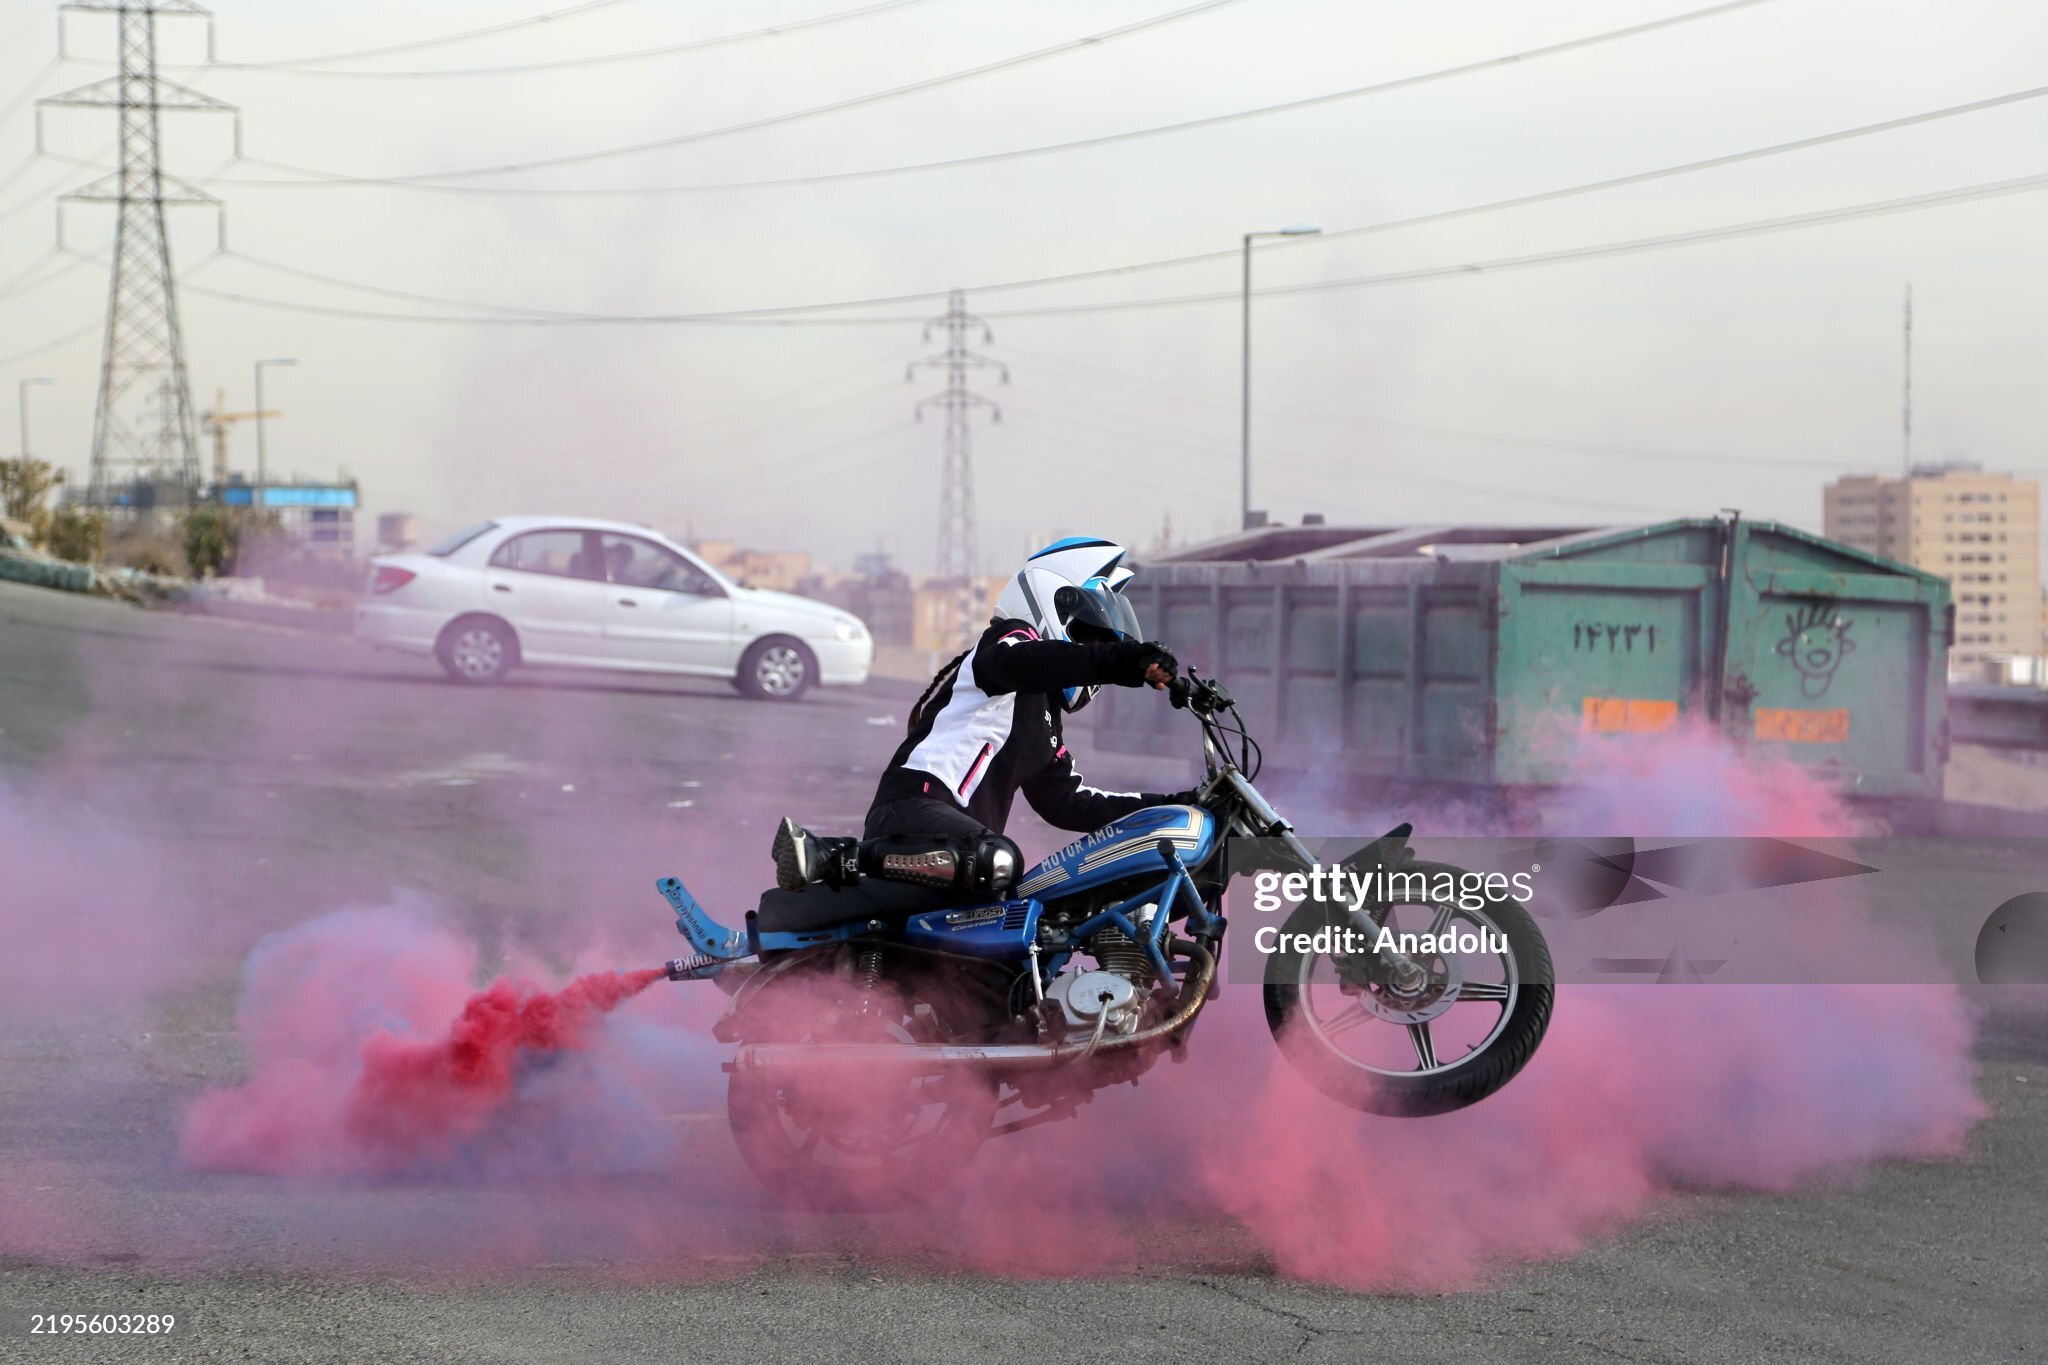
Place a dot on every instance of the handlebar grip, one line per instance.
(1179, 691)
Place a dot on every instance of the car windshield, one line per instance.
(460, 539)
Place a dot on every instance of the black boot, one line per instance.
(802, 859)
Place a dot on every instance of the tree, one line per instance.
(219, 539)
(212, 537)
(78, 535)
(24, 484)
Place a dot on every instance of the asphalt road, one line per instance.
(241, 780)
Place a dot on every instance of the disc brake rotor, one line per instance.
(1437, 993)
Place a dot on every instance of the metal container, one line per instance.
(1476, 655)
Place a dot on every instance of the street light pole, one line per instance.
(1244, 500)
(262, 451)
(21, 390)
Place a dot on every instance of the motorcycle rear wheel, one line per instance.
(1312, 1022)
(852, 1141)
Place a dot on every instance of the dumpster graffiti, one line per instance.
(1816, 641)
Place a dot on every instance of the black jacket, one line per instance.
(989, 726)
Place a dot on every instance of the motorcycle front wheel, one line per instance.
(1425, 1046)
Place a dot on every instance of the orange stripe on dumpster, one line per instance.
(1628, 715)
(1794, 725)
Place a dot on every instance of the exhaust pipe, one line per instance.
(925, 1058)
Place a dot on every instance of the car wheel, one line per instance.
(777, 669)
(477, 650)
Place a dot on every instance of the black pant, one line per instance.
(821, 907)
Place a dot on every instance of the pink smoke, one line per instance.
(1226, 1160)
(1636, 1090)
(90, 929)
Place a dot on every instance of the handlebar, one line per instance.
(1203, 696)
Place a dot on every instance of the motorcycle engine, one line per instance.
(1119, 986)
(1084, 997)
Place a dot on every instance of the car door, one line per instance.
(665, 611)
(549, 584)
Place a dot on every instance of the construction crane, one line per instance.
(217, 420)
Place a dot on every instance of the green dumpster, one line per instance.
(1475, 655)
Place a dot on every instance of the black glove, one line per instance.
(1132, 659)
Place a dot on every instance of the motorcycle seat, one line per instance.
(824, 907)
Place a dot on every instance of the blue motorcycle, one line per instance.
(875, 1056)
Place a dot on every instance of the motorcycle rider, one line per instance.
(988, 727)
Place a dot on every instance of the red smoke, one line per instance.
(422, 1100)
(367, 1057)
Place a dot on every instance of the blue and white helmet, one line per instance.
(1073, 590)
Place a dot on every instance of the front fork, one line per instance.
(1387, 965)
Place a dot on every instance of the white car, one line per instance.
(601, 594)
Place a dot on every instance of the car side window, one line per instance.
(636, 563)
(564, 554)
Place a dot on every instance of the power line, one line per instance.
(444, 40)
(335, 180)
(403, 294)
(37, 350)
(11, 41)
(21, 168)
(1147, 427)
(1389, 225)
(597, 59)
(834, 106)
(1110, 377)
(37, 199)
(13, 288)
(798, 315)
(785, 416)
(89, 328)
(1125, 451)
(1069, 277)
(28, 91)
(1498, 265)
(572, 320)
(7, 285)
(1473, 210)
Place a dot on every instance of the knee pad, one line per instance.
(998, 862)
(988, 865)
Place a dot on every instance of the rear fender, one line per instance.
(732, 1027)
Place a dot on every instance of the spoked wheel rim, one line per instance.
(780, 670)
(1459, 1011)
(478, 652)
(855, 1138)
(893, 1115)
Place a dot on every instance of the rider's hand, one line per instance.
(1147, 664)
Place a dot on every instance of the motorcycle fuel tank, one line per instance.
(1000, 929)
(1123, 848)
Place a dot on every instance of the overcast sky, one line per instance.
(1449, 399)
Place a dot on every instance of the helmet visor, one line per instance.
(1095, 613)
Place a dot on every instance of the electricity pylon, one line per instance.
(959, 556)
(144, 348)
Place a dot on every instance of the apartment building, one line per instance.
(1979, 530)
